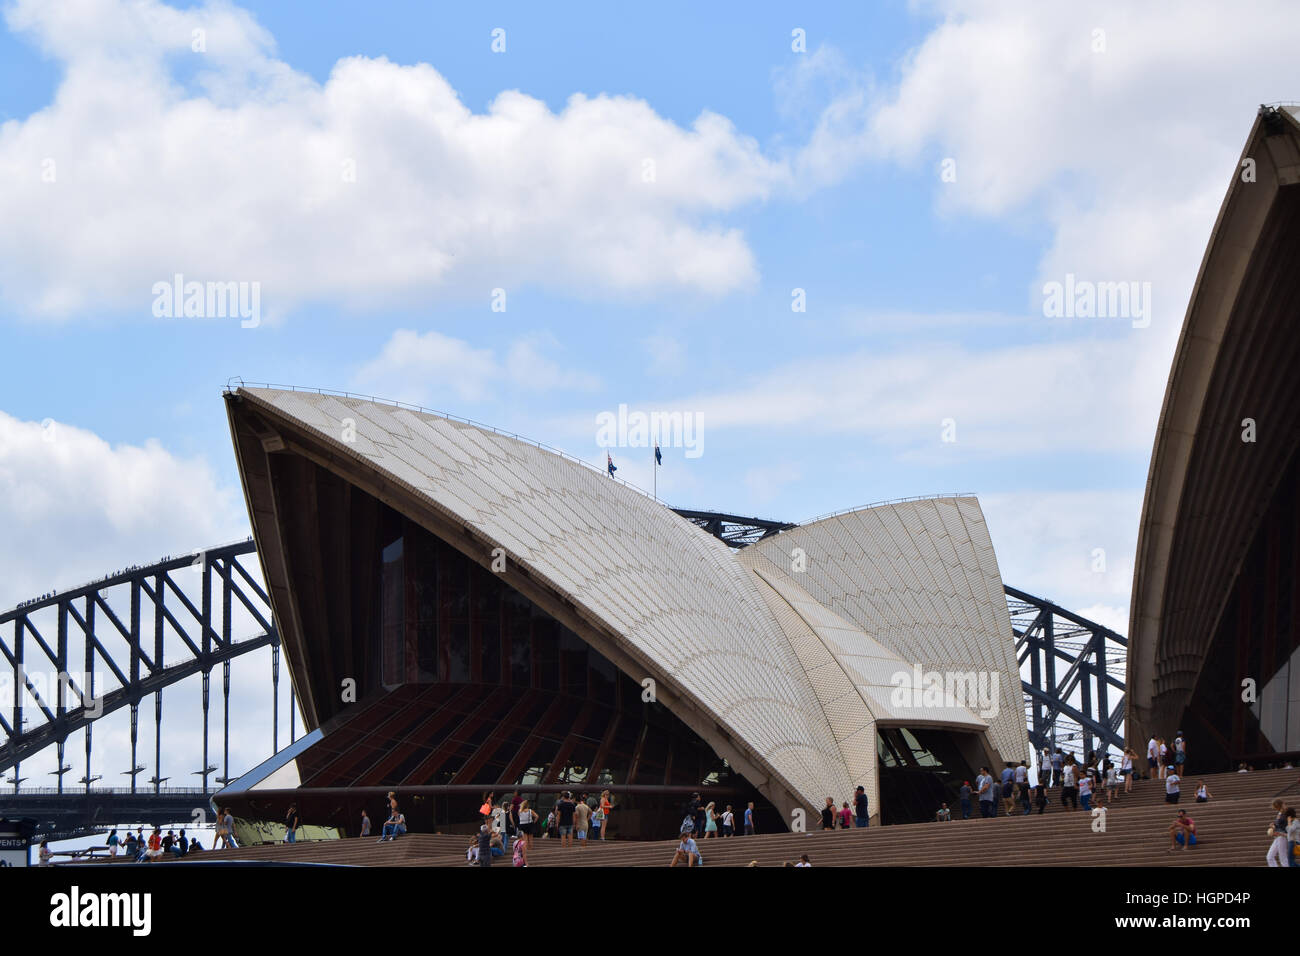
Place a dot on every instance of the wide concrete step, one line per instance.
(1231, 830)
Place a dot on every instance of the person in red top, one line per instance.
(155, 846)
(606, 807)
(846, 817)
(1182, 831)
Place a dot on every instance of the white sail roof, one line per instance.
(917, 587)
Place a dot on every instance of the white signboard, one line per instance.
(13, 850)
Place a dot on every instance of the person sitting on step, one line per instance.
(395, 827)
(1182, 832)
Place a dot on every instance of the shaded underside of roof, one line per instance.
(1234, 371)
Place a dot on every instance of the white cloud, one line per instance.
(767, 482)
(74, 507)
(1124, 151)
(1048, 544)
(422, 367)
(527, 367)
(241, 175)
(1112, 616)
(666, 353)
(414, 366)
(1064, 394)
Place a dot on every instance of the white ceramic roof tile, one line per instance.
(924, 583)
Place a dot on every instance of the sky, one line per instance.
(827, 232)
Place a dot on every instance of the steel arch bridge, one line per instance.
(1074, 690)
(72, 657)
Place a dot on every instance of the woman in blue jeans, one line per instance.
(395, 827)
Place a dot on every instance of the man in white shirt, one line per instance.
(1153, 757)
(1085, 792)
(1069, 793)
(1021, 777)
(1171, 787)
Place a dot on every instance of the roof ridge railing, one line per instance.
(890, 501)
(342, 393)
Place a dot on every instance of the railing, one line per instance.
(124, 574)
(890, 501)
(107, 791)
(340, 393)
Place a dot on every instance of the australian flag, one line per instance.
(609, 463)
(659, 459)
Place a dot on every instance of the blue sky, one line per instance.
(1094, 142)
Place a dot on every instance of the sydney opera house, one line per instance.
(1214, 643)
(465, 611)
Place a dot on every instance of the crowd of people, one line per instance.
(135, 846)
(1096, 781)
(514, 821)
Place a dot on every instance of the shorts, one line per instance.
(727, 830)
(1178, 838)
(565, 831)
(581, 834)
(1006, 790)
(1171, 798)
(1179, 758)
(1152, 762)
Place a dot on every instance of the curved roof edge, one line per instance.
(884, 503)
(1224, 266)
